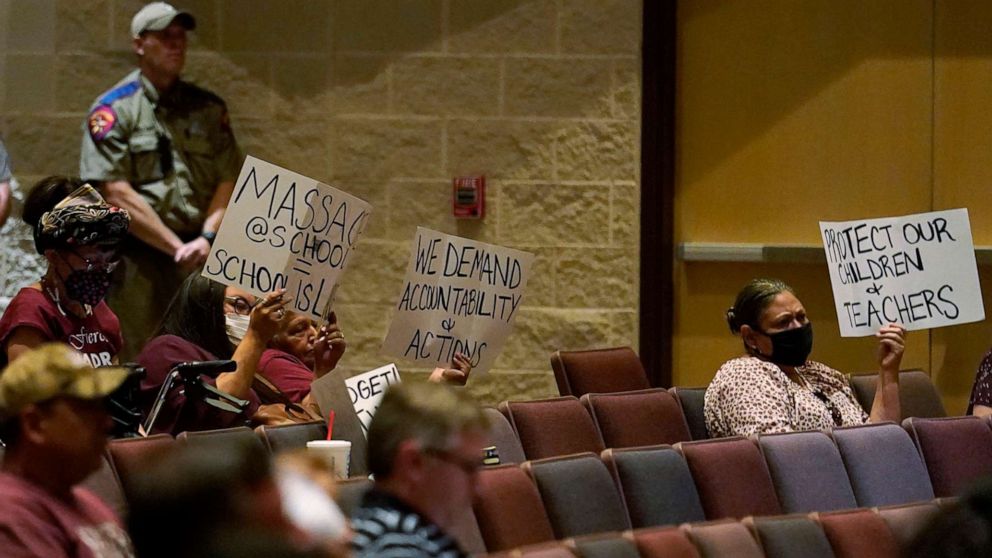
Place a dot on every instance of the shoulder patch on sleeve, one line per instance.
(119, 92)
(100, 121)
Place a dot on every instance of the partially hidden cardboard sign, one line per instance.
(916, 270)
(284, 230)
(366, 391)
(331, 394)
(459, 296)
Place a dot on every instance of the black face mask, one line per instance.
(87, 287)
(792, 346)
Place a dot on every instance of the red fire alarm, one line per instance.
(469, 199)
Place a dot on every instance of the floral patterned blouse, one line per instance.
(981, 393)
(750, 396)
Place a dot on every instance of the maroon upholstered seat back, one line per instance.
(664, 542)
(509, 509)
(552, 427)
(631, 419)
(859, 533)
(956, 450)
(731, 477)
(598, 371)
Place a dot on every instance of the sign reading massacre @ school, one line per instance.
(917, 270)
(284, 230)
(459, 296)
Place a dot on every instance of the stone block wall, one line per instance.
(390, 99)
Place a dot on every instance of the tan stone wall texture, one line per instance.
(390, 99)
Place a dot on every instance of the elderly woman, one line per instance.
(302, 352)
(78, 233)
(775, 388)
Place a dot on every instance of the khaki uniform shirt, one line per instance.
(173, 149)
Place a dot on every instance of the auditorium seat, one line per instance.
(350, 493)
(637, 418)
(464, 528)
(609, 545)
(692, 400)
(664, 542)
(509, 509)
(918, 397)
(790, 536)
(883, 464)
(129, 455)
(240, 434)
(552, 427)
(807, 472)
(906, 520)
(598, 371)
(553, 549)
(502, 436)
(858, 534)
(105, 483)
(579, 495)
(723, 539)
(957, 450)
(286, 437)
(656, 485)
(731, 477)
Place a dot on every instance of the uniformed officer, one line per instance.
(164, 150)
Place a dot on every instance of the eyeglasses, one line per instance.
(240, 304)
(469, 466)
(106, 265)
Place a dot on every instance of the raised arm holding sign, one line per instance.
(917, 270)
(459, 296)
(284, 230)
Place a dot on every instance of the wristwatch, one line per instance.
(210, 236)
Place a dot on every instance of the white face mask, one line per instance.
(236, 326)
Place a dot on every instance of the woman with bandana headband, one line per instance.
(775, 388)
(78, 233)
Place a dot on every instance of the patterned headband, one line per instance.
(81, 219)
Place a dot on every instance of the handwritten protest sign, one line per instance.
(366, 391)
(917, 270)
(459, 296)
(284, 230)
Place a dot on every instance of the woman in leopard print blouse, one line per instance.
(775, 388)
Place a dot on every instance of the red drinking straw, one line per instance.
(330, 423)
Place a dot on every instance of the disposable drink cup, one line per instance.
(336, 453)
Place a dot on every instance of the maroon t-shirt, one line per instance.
(287, 373)
(35, 523)
(98, 336)
(177, 414)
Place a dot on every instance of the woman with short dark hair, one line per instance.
(775, 388)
